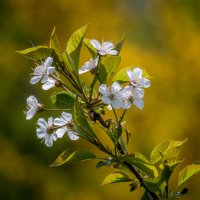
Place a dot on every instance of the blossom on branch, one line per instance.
(50, 83)
(104, 48)
(46, 131)
(66, 124)
(33, 107)
(136, 79)
(43, 71)
(110, 95)
(89, 65)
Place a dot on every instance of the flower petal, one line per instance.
(30, 113)
(115, 88)
(72, 135)
(95, 44)
(35, 79)
(106, 100)
(61, 131)
(49, 84)
(104, 90)
(48, 62)
(139, 103)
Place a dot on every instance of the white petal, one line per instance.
(106, 100)
(126, 105)
(49, 84)
(32, 101)
(40, 133)
(50, 70)
(35, 79)
(104, 90)
(61, 131)
(48, 61)
(42, 123)
(129, 74)
(72, 135)
(146, 83)
(39, 70)
(116, 103)
(66, 116)
(59, 121)
(45, 78)
(50, 121)
(113, 52)
(49, 140)
(137, 73)
(95, 44)
(116, 87)
(138, 93)
(83, 70)
(30, 113)
(139, 103)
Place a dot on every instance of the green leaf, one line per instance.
(134, 185)
(91, 49)
(37, 53)
(146, 196)
(74, 44)
(116, 177)
(63, 100)
(107, 67)
(54, 44)
(83, 127)
(119, 45)
(121, 76)
(187, 173)
(142, 163)
(167, 149)
(73, 155)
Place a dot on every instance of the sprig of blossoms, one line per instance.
(53, 129)
(118, 97)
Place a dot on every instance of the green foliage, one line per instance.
(166, 149)
(63, 100)
(121, 76)
(37, 53)
(187, 173)
(83, 127)
(74, 44)
(107, 67)
(119, 45)
(73, 155)
(54, 44)
(116, 177)
(91, 49)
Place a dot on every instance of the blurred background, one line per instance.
(161, 36)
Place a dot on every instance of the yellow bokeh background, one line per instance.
(161, 36)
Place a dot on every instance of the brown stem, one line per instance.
(132, 168)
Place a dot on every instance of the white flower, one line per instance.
(131, 95)
(111, 95)
(46, 131)
(43, 71)
(65, 122)
(50, 83)
(89, 65)
(104, 48)
(136, 79)
(33, 106)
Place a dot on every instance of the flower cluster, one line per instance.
(55, 128)
(106, 48)
(118, 97)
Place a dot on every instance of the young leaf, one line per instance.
(83, 128)
(74, 45)
(161, 150)
(107, 67)
(91, 49)
(187, 173)
(37, 53)
(140, 163)
(63, 100)
(54, 44)
(121, 76)
(73, 155)
(116, 177)
(119, 45)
